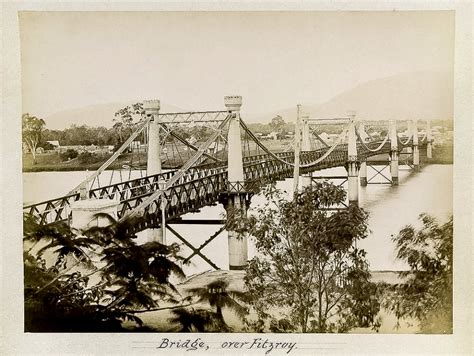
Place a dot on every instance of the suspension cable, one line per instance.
(112, 158)
(320, 139)
(367, 147)
(169, 132)
(307, 165)
(179, 173)
(406, 142)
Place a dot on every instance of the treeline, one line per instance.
(82, 135)
(102, 136)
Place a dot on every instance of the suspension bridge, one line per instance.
(227, 164)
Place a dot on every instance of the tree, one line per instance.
(278, 124)
(217, 295)
(309, 275)
(126, 118)
(93, 280)
(32, 128)
(192, 320)
(426, 290)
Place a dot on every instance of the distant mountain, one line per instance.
(421, 95)
(94, 115)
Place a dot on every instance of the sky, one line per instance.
(193, 59)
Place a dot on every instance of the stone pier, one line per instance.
(393, 152)
(152, 108)
(416, 152)
(363, 164)
(235, 200)
(83, 212)
(429, 141)
(352, 165)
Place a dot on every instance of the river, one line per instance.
(390, 208)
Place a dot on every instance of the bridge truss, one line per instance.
(197, 171)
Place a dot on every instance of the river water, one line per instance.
(390, 208)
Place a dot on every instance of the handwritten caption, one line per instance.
(256, 344)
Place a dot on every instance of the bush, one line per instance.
(308, 275)
(427, 289)
(69, 154)
(46, 146)
(88, 157)
(67, 289)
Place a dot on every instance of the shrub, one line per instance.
(88, 157)
(69, 154)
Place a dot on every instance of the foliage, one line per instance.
(32, 127)
(426, 292)
(126, 119)
(309, 275)
(82, 135)
(218, 296)
(89, 157)
(277, 124)
(68, 154)
(93, 280)
(45, 145)
(192, 320)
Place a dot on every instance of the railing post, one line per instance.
(363, 163)
(393, 152)
(416, 152)
(352, 165)
(83, 192)
(429, 140)
(235, 201)
(152, 107)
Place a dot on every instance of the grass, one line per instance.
(53, 162)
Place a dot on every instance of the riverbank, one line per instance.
(52, 162)
(442, 155)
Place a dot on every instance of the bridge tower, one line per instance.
(305, 146)
(363, 163)
(236, 201)
(352, 165)
(393, 151)
(152, 108)
(416, 152)
(429, 140)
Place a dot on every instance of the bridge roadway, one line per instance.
(198, 188)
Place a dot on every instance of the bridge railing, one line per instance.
(56, 210)
(53, 210)
(197, 188)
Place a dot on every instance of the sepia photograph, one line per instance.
(262, 174)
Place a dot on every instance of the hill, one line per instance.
(421, 95)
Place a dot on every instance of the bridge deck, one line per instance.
(199, 187)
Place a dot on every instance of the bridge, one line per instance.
(228, 165)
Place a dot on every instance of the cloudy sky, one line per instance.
(191, 60)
